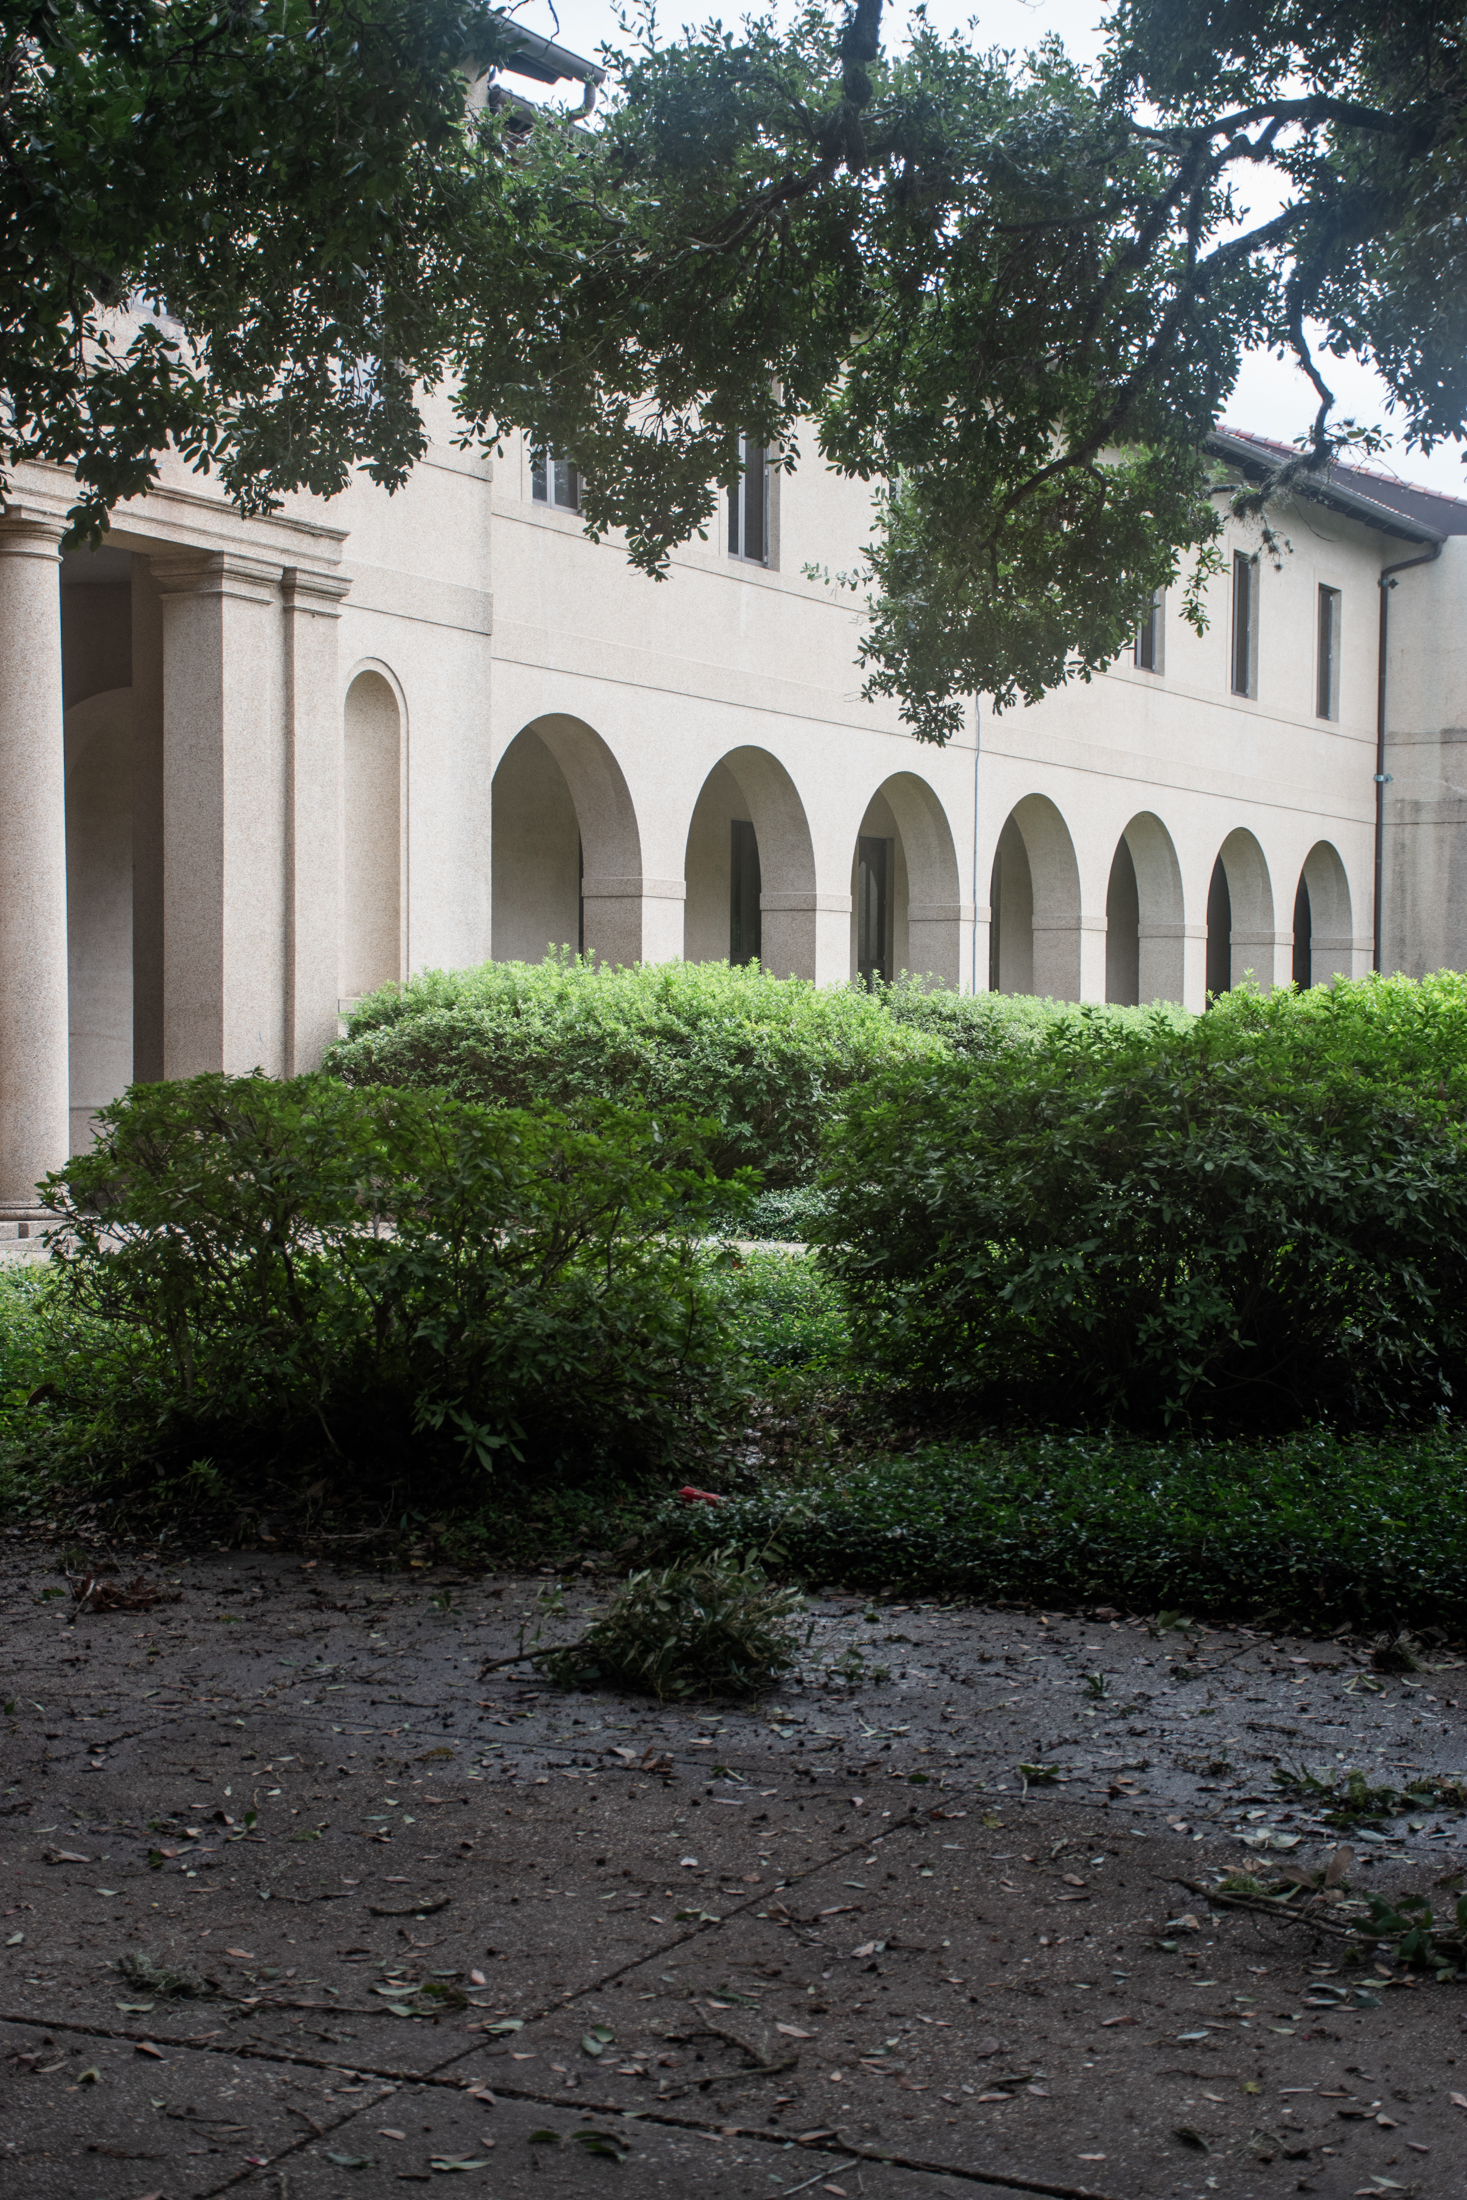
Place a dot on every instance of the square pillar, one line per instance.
(313, 763)
(1092, 959)
(633, 920)
(35, 1073)
(1268, 955)
(806, 935)
(225, 815)
(1194, 967)
(147, 825)
(940, 943)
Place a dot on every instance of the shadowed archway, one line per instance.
(1034, 896)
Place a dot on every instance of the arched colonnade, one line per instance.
(569, 868)
(1041, 940)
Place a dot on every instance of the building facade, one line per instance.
(254, 768)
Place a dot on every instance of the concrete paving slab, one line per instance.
(390, 1872)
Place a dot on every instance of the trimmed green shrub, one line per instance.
(769, 1059)
(988, 1026)
(1315, 1530)
(398, 1284)
(1249, 1222)
(1404, 1040)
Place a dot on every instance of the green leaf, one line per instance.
(603, 2143)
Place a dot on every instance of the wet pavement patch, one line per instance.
(295, 1903)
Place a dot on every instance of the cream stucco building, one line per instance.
(253, 768)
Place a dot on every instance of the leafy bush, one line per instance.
(1401, 1039)
(1233, 1222)
(399, 1284)
(1314, 1529)
(987, 1027)
(786, 1217)
(784, 1317)
(768, 1058)
(715, 1625)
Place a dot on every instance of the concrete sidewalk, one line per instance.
(584, 1943)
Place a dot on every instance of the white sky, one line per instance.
(1271, 397)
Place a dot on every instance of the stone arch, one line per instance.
(1143, 916)
(371, 920)
(750, 869)
(1034, 896)
(1240, 920)
(1324, 935)
(905, 886)
(99, 891)
(567, 852)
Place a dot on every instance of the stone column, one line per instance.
(1194, 967)
(1267, 956)
(940, 942)
(147, 825)
(225, 815)
(633, 920)
(34, 1075)
(313, 719)
(806, 935)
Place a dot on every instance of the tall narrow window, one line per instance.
(1148, 637)
(748, 505)
(555, 481)
(872, 863)
(744, 929)
(1245, 624)
(1327, 685)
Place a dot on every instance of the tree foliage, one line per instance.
(236, 228)
(1010, 294)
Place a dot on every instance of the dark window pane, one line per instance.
(1327, 698)
(1245, 612)
(1148, 638)
(754, 501)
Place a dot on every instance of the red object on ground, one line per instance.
(690, 1496)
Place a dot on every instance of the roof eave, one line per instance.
(543, 62)
(1334, 494)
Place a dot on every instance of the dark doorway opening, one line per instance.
(1219, 933)
(872, 868)
(744, 936)
(1303, 971)
(1123, 931)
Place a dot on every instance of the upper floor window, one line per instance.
(1148, 637)
(1327, 662)
(748, 505)
(555, 481)
(1245, 624)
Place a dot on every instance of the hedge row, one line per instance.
(1249, 1223)
(769, 1059)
